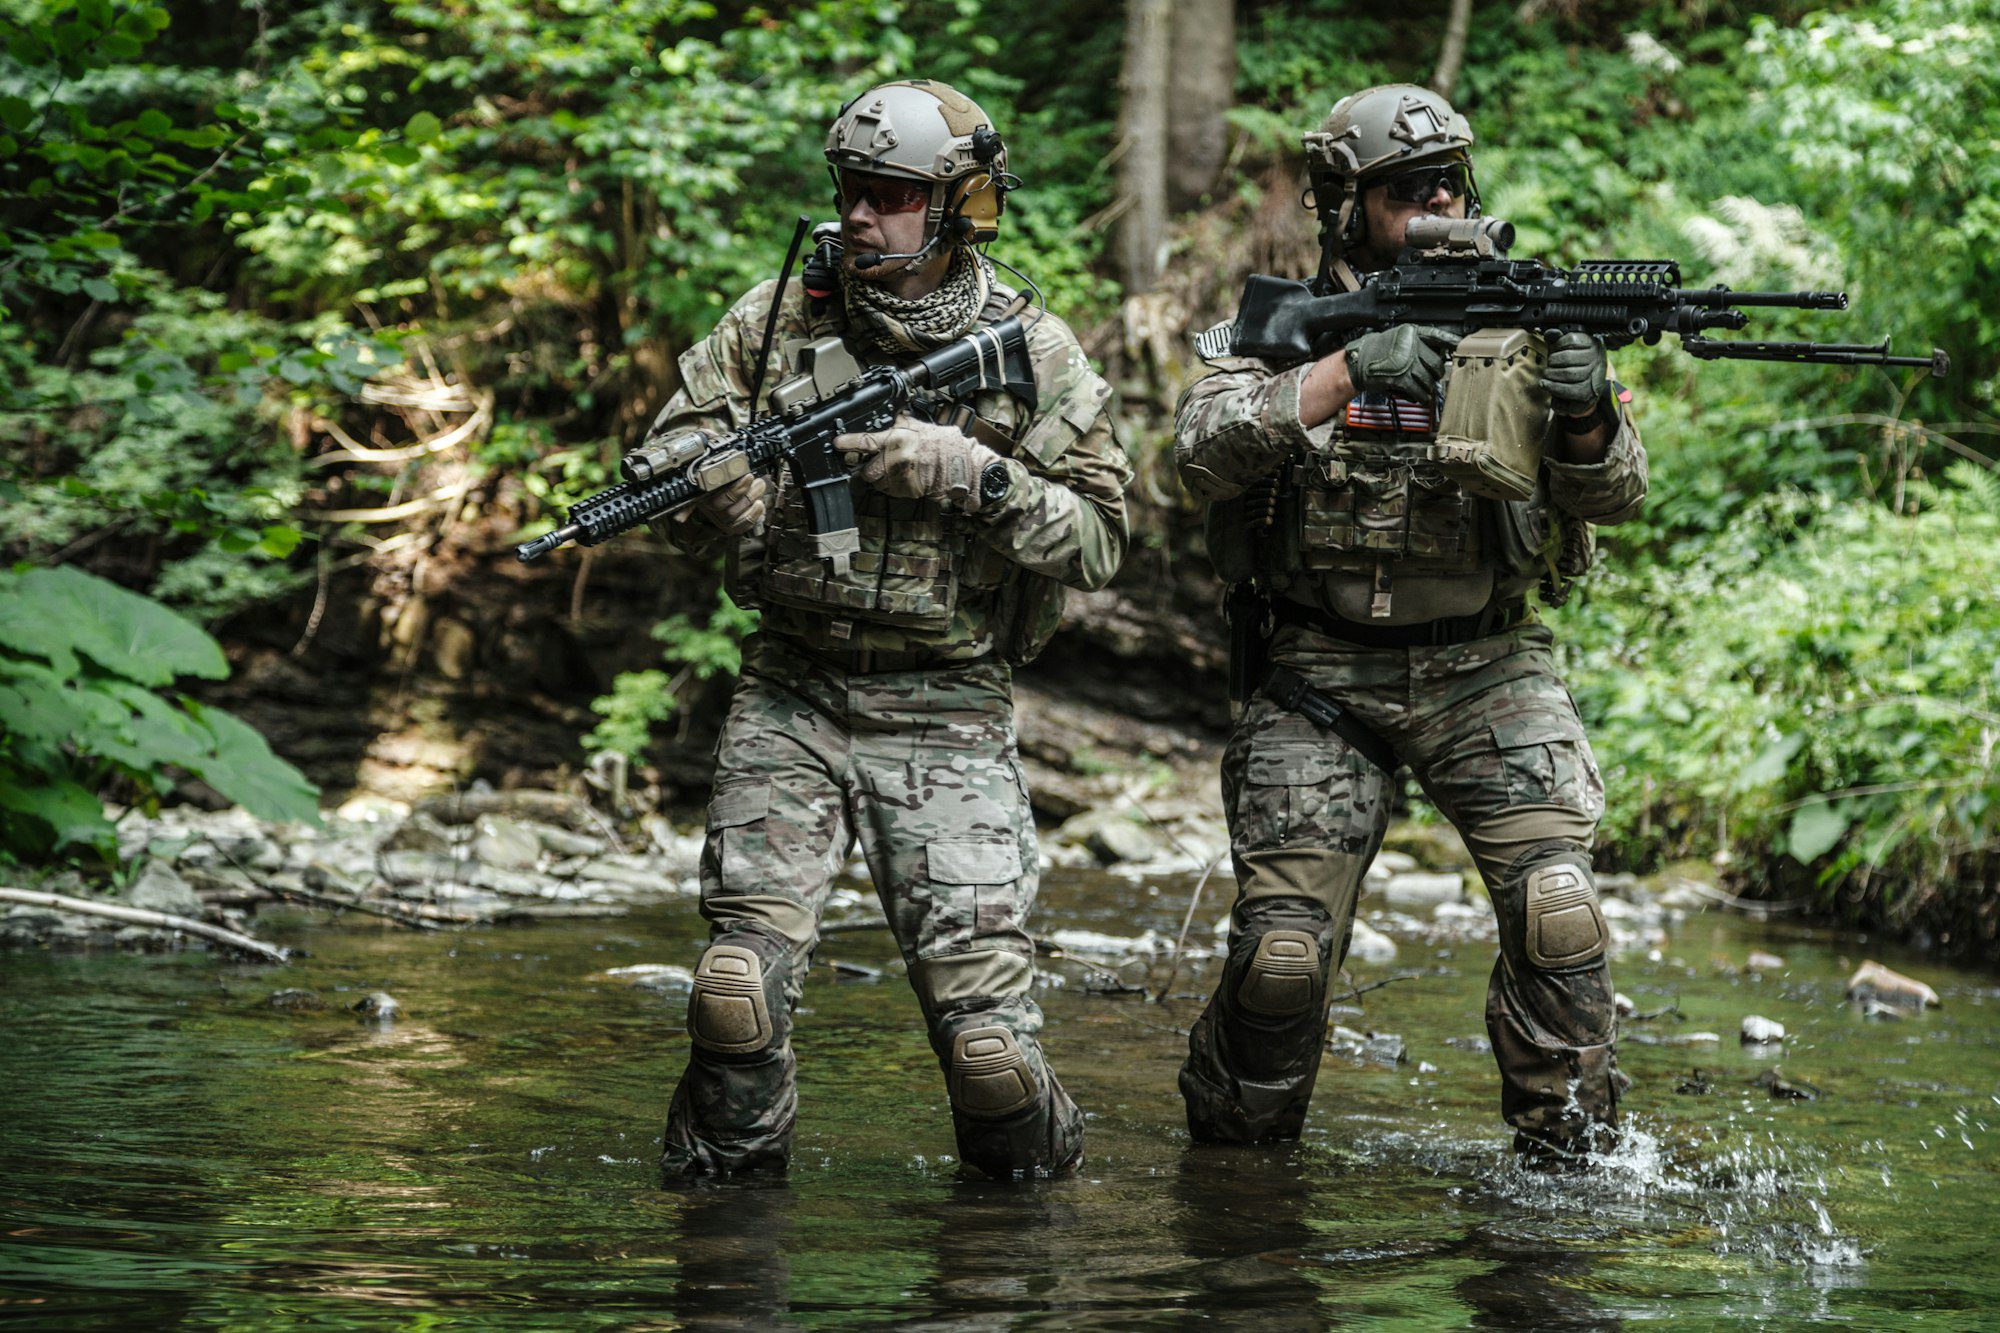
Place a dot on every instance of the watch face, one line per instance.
(993, 482)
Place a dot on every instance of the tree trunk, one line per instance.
(1142, 144)
(1201, 87)
(1456, 29)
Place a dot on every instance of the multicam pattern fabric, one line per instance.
(1487, 727)
(1367, 509)
(922, 767)
(1496, 742)
(927, 581)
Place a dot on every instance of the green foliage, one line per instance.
(82, 664)
(641, 699)
(1820, 681)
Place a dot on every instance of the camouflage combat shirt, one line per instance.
(928, 582)
(1364, 515)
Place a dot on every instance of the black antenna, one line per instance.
(777, 302)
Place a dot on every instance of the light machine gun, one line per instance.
(1454, 272)
(830, 395)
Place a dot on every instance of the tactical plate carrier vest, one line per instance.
(1401, 488)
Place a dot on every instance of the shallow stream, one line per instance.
(171, 1147)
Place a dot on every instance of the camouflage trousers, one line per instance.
(922, 767)
(1492, 735)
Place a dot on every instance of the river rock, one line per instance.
(378, 1005)
(1622, 1004)
(651, 976)
(1872, 981)
(562, 842)
(294, 1000)
(1417, 890)
(1379, 1048)
(1757, 1029)
(642, 874)
(1118, 839)
(1392, 862)
(419, 833)
(422, 868)
(1370, 945)
(503, 842)
(1759, 961)
(1774, 1082)
(160, 889)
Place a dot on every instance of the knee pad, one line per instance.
(1283, 977)
(738, 1004)
(1562, 927)
(989, 1078)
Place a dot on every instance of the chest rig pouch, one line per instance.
(908, 571)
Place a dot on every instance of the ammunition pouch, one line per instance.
(1485, 441)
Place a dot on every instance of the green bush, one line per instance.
(1815, 689)
(83, 664)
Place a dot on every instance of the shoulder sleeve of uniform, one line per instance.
(1072, 396)
(717, 372)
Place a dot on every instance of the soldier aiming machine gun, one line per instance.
(829, 395)
(1454, 272)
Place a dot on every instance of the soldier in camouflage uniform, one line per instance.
(1385, 592)
(876, 703)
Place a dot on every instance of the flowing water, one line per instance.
(173, 1148)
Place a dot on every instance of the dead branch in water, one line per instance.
(140, 916)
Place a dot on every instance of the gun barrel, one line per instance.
(1718, 297)
(529, 552)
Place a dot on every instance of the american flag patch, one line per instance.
(1386, 412)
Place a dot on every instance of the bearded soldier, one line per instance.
(875, 701)
(1390, 608)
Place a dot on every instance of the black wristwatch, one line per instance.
(994, 483)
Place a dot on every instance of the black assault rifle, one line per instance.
(829, 395)
(1454, 272)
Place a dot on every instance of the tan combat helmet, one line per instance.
(922, 130)
(1367, 135)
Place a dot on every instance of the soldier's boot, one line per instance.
(736, 1103)
(1009, 1112)
(1254, 1052)
(1550, 1007)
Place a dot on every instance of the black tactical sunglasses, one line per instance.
(1418, 184)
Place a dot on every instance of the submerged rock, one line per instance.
(1622, 1004)
(1380, 1048)
(378, 1005)
(1781, 1088)
(294, 1000)
(1696, 1084)
(1758, 1029)
(1874, 982)
(651, 976)
(1759, 961)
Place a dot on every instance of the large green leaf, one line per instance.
(58, 613)
(1815, 829)
(241, 766)
(63, 812)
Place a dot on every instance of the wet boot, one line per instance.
(1550, 1009)
(1009, 1112)
(1254, 1052)
(736, 1103)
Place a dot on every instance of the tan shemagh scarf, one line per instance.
(889, 326)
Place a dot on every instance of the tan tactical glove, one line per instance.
(919, 460)
(1406, 360)
(735, 509)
